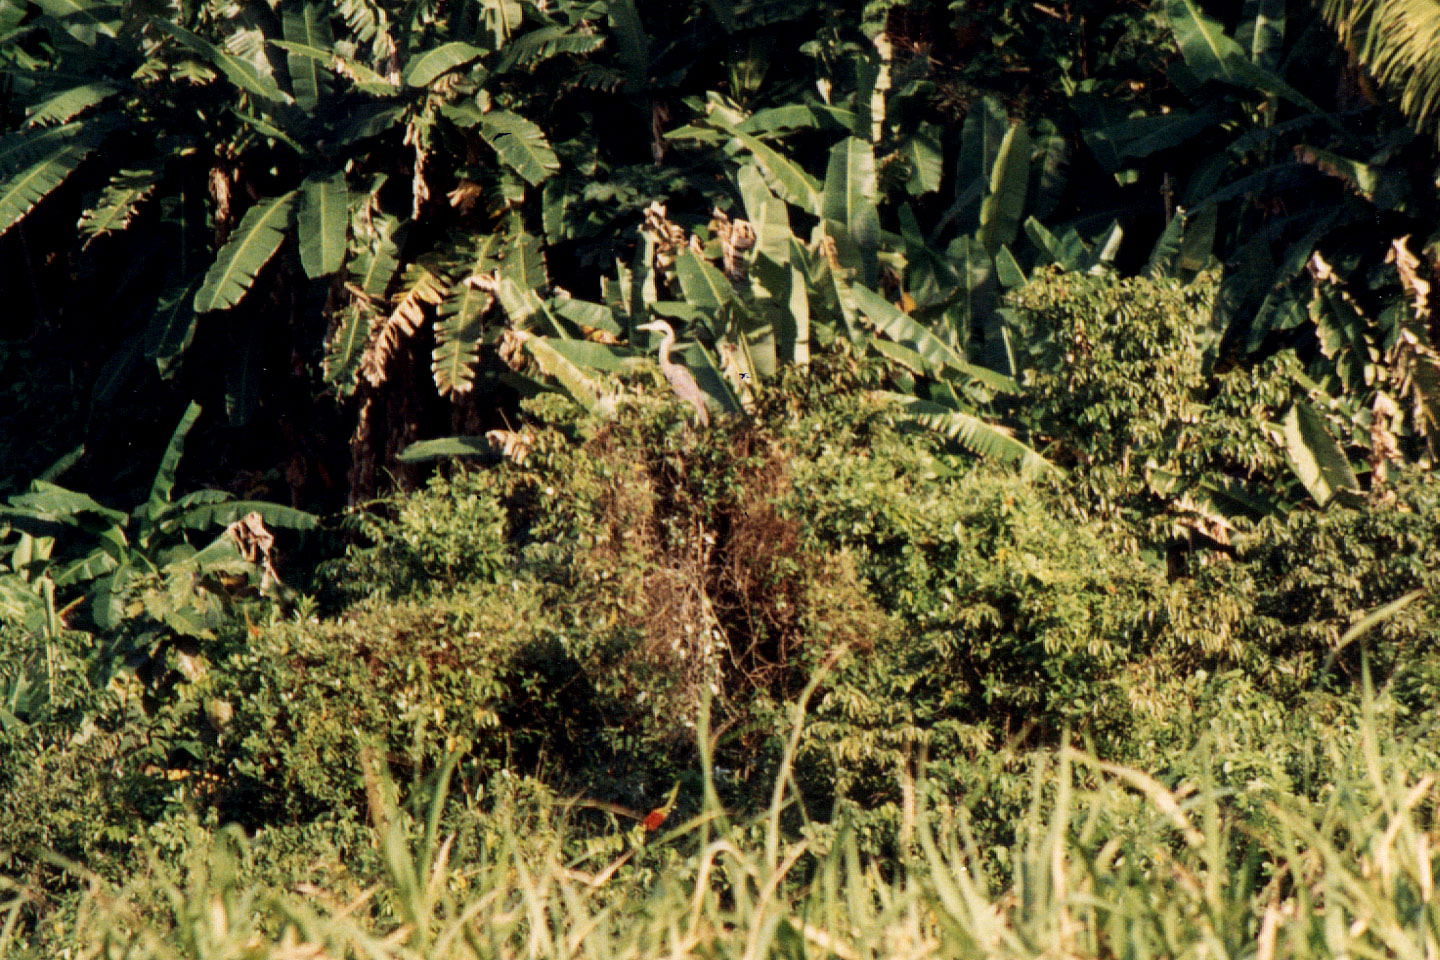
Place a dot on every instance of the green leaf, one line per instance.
(1316, 458)
(1008, 271)
(849, 198)
(324, 213)
(1211, 55)
(1167, 248)
(21, 192)
(980, 438)
(307, 24)
(520, 144)
(209, 515)
(344, 349)
(241, 72)
(80, 20)
(1004, 200)
(431, 65)
(442, 448)
(458, 327)
(118, 202)
(704, 286)
(164, 481)
(172, 326)
(926, 159)
(365, 79)
(582, 388)
(892, 322)
(524, 262)
(787, 178)
(249, 248)
(68, 104)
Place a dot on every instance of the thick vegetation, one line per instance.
(1056, 576)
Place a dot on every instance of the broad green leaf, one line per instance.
(849, 197)
(67, 105)
(704, 286)
(1316, 458)
(21, 192)
(926, 159)
(240, 71)
(520, 144)
(345, 347)
(1208, 52)
(1211, 55)
(118, 202)
(442, 448)
(84, 20)
(1008, 271)
(524, 262)
(787, 178)
(321, 223)
(583, 313)
(364, 79)
(892, 322)
(594, 356)
(431, 65)
(164, 481)
(983, 439)
(1004, 200)
(209, 515)
(247, 251)
(582, 388)
(772, 230)
(308, 24)
(172, 327)
(51, 500)
(1267, 31)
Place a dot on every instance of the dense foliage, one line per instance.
(1072, 376)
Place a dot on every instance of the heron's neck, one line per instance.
(665, 349)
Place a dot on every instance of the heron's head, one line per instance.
(658, 326)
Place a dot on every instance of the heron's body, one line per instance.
(680, 379)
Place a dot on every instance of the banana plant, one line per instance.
(63, 540)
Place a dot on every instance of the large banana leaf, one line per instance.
(889, 320)
(249, 248)
(1316, 458)
(521, 145)
(980, 438)
(118, 202)
(1004, 200)
(524, 261)
(703, 285)
(164, 481)
(1211, 55)
(849, 198)
(20, 193)
(320, 224)
(241, 72)
(443, 448)
(582, 388)
(431, 65)
(309, 25)
(208, 515)
(788, 178)
(345, 347)
(458, 326)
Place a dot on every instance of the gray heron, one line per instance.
(681, 380)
